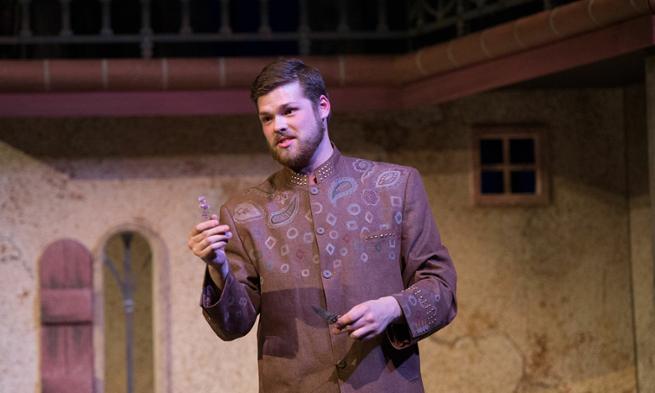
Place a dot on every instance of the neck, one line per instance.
(322, 153)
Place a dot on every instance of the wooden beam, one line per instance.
(584, 49)
(124, 104)
(172, 103)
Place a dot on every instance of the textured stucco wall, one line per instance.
(544, 292)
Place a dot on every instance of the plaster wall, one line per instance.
(544, 293)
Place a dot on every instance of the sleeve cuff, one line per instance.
(211, 294)
(399, 336)
(419, 311)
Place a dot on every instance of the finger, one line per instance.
(203, 251)
(218, 238)
(203, 226)
(218, 245)
(210, 248)
(357, 324)
(369, 335)
(203, 242)
(206, 225)
(335, 330)
(362, 332)
(210, 252)
(217, 230)
(346, 320)
(200, 244)
(198, 237)
(351, 316)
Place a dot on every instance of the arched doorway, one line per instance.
(128, 313)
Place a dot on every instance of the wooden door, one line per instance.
(66, 282)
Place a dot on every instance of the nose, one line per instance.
(280, 123)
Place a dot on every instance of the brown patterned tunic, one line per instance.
(364, 231)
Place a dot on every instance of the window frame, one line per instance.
(505, 133)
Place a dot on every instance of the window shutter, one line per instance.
(66, 282)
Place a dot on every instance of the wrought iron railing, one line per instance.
(197, 28)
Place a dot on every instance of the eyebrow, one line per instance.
(283, 106)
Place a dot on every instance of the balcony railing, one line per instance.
(198, 28)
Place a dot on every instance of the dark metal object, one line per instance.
(328, 316)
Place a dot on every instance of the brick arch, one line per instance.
(66, 300)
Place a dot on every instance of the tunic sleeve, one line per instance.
(231, 311)
(428, 302)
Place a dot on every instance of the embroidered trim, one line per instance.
(379, 235)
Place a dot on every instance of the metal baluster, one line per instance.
(65, 18)
(420, 12)
(460, 18)
(440, 11)
(382, 16)
(303, 41)
(343, 17)
(146, 30)
(225, 17)
(414, 10)
(185, 23)
(106, 18)
(264, 26)
(25, 29)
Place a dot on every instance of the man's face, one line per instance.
(292, 125)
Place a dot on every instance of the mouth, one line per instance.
(284, 142)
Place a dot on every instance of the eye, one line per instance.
(265, 119)
(289, 111)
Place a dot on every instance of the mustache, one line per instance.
(280, 135)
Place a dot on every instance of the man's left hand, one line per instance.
(367, 320)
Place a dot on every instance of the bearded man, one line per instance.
(340, 257)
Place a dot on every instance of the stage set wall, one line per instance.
(546, 293)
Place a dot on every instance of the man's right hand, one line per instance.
(208, 240)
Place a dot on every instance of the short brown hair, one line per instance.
(283, 71)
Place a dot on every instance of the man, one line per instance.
(326, 235)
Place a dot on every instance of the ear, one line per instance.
(324, 107)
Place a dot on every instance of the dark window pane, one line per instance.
(492, 182)
(523, 182)
(491, 151)
(521, 151)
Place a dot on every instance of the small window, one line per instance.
(509, 166)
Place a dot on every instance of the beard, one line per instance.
(306, 145)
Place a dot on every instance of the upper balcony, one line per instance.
(35, 29)
(189, 57)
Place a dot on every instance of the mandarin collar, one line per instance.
(323, 172)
